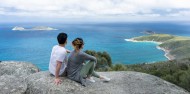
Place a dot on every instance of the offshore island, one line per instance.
(175, 47)
(39, 28)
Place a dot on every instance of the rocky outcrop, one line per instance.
(121, 83)
(12, 76)
(19, 69)
(21, 78)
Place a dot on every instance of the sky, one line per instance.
(94, 10)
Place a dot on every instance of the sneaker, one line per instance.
(91, 80)
(106, 79)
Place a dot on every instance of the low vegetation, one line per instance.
(155, 37)
(104, 61)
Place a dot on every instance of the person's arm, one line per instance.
(59, 61)
(89, 57)
(68, 51)
(58, 67)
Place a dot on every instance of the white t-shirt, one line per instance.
(58, 54)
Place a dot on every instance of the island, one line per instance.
(43, 28)
(175, 47)
(37, 28)
(149, 32)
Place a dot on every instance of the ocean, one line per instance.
(35, 46)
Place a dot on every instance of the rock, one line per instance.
(12, 85)
(18, 69)
(18, 78)
(121, 83)
(43, 83)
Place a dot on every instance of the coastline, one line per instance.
(167, 52)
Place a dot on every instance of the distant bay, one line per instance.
(36, 46)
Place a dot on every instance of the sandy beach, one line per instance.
(167, 52)
(132, 40)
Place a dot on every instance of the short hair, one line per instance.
(61, 38)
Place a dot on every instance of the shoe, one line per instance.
(91, 80)
(106, 79)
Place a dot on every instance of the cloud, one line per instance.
(95, 8)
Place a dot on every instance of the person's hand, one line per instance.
(83, 63)
(68, 51)
(57, 81)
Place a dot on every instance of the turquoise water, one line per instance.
(35, 46)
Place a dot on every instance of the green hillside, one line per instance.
(155, 37)
(177, 45)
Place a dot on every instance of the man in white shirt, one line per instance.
(58, 59)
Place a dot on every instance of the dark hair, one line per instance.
(78, 42)
(61, 38)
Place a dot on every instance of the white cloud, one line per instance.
(181, 14)
(94, 8)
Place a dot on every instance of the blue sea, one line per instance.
(35, 46)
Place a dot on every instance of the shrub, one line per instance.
(103, 60)
(119, 67)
